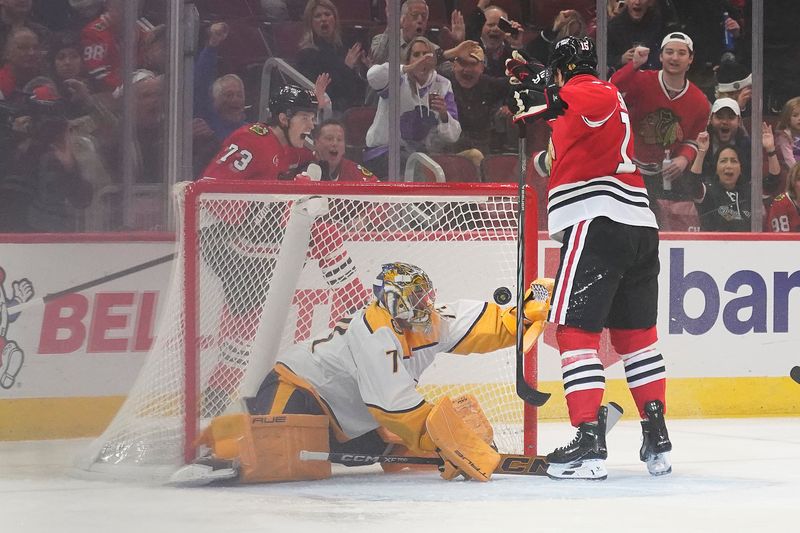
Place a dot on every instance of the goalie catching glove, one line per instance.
(536, 307)
(533, 93)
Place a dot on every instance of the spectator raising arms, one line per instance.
(567, 22)
(788, 138)
(480, 100)
(667, 112)
(484, 24)
(219, 103)
(428, 113)
(723, 199)
(413, 23)
(784, 214)
(725, 129)
(322, 51)
(639, 24)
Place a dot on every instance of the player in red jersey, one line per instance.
(608, 275)
(271, 151)
(784, 213)
(242, 246)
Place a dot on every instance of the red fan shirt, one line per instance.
(102, 55)
(351, 171)
(784, 215)
(661, 122)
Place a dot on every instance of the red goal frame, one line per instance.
(192, 195)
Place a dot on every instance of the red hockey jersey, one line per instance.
(102, 56)
(593, 173)
(784, 215)
(253, 152)
(661, 122)
(351, 171)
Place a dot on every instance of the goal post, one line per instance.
(262, 265)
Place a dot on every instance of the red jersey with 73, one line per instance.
(253, 152)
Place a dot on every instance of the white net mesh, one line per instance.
(465, 240)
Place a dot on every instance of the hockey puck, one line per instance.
(502, 295)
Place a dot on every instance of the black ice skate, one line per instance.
(584, 457)
(655, 440)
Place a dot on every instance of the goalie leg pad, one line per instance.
(268, 447)
(469, 409)
(459, 444)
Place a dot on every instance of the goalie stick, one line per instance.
(513, 464)
(528, 394)
(795, 373)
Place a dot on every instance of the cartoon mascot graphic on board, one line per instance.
(11, 355)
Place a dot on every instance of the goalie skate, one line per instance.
(205, 471)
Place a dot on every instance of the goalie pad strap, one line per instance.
(459, 444)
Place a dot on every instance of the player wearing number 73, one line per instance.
(362, 377)
(269, 151)
(608, 274)
(241, 245)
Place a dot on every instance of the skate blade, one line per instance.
(590, 470)
(659, 464)
(195, 475)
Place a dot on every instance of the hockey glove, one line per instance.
(530, 104)
(534, 94)
(521, 69)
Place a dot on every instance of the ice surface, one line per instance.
(729, 475)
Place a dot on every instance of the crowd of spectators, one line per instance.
(61, 117)
(61, 92)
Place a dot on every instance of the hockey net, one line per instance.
(260, 266)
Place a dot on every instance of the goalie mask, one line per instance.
(407, 293)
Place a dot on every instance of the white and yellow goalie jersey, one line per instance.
(365, 371)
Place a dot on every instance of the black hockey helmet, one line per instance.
(574, 55)
(291, 99)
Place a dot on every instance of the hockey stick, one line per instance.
(93, 283)
(526, 465)
(526, 392)
(795, 373)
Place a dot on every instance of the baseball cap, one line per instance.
(730, 103)
(678, 37)
(477, 54)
